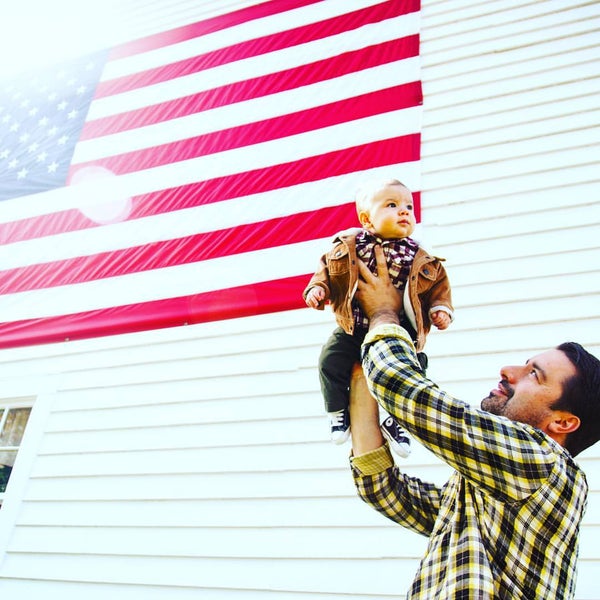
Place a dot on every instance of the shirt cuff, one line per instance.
(373, 462)
(387, 330)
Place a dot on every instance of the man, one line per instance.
(506, 524)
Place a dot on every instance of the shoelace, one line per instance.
(337, 418)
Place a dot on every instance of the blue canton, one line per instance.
(41, 117)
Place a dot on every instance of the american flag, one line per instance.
(196, 174)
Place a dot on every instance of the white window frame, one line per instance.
(41, 392)
(5, 406)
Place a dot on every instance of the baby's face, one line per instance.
(391, 214)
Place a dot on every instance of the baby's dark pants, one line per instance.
(338, 355)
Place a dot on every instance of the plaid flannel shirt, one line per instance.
(506, 524)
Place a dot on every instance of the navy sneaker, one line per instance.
(396, 436)
(339, 423)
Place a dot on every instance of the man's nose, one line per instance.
(509, 373)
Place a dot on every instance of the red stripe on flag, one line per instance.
(188, 32)
(256, 47)
(256, 87)
(314, 168)
(293, 229)
(349, 109)
(243, 301)
(358, 158)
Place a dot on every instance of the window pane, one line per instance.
(14, 427)
(7, 460)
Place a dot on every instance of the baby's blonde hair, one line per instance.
(366, 192)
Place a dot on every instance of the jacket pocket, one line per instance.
(339, 261)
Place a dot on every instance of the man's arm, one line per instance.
(508, 458)
(405, 500)
(364, 415)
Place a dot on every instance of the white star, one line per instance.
(6, 118)
(43, 121)
(4, 153)
(23, 138)
(52, 96)
(34, 111)
(13, 163)
(72, 114)
(14, 127)
(63, 140)
(52, 167)
(52, 131)
(81, 90)
(61, 106)
(41, 157)
(33, 147)
(22, 174)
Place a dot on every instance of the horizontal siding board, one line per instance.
(500, 183)
(286, 575)
(273, 406)
(507, 169)
(556, 49)
(513, 74)
(187, 436)
(227, 459)
(454, 108)
(69, 590)
(544, 199)
(334, 511)
(536, 243)
(165, 486)
(301, 383)
(503, 270)
(210, 542)
(547, 142)
(566, 222)
(440, 12)
(571, 130)
(458, 39)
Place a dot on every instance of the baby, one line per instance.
(386, 212)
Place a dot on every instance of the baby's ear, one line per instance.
(363, 217)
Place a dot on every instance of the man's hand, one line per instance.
(376, 294)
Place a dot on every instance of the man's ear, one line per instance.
(564, 423)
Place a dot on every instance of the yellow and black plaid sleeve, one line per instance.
(402, 499)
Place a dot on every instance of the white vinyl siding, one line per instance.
(193, 462)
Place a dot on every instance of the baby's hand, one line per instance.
(441, 319)
(315, 296)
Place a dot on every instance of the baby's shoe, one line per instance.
(396, 437)
(339, 424)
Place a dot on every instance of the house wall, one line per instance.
(194, 461)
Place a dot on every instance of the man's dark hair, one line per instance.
(581, 396)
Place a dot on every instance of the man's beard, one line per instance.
(495, 403)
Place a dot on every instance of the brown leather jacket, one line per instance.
(427, 289)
